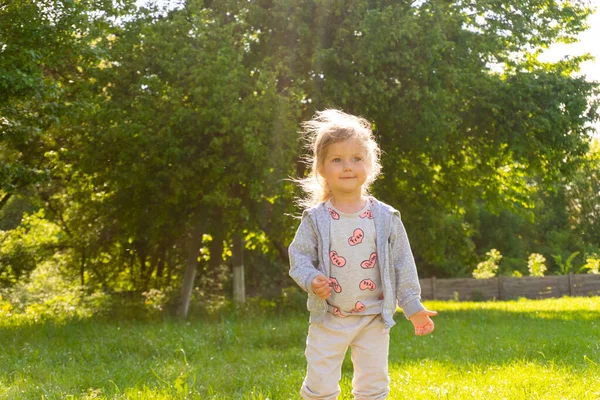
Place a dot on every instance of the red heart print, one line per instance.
(334, 214)
(336, 311)
(358, 307)
(357, 237)
(336, 259)
(366, 214)
(367, 284)
(370, 263)
(334, 284)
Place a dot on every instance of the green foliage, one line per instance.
(592, 263)
(155, 300)
(130, 132)
(536, 264)
(5, 308)
(49, 293)
(192, 143)
(47, 47)
(487, 269)
(36, 239)
(582, 194)
(13, 211)
(567, 266)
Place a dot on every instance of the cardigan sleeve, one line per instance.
(304, 254)
(408, 288)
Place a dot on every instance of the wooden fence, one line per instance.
(505, 288)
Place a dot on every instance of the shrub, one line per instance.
(536, 264)
(24, 247)
(5, 308)
(155, 300)
(565, 266)
(488, 268)
(592, 263)
(48, 293)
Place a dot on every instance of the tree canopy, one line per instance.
(136, 129)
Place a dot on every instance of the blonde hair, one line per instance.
(324, 129)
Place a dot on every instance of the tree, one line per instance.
(46, 48)
(179, 128)
(453, 130)
(582, 196)
(181, 140)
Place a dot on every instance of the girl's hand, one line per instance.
(320, 285)
(422, 323)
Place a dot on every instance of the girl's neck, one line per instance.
(350, 204)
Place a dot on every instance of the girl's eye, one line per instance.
(357, 159)
(336, 160)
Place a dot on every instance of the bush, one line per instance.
(565, 267)
(156, 300)
(592, 263)
(22, 248)
(488, 268)
(536, 264)
(50, 294)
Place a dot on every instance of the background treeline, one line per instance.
(137, 141)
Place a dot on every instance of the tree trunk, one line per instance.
(132, 258)
(160, 267)
(5, 200)
(215, 248)
(195, 242)
(155, 261)
(82, 270)
(239, 287)
(142, 277)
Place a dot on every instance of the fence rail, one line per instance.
(505, 288)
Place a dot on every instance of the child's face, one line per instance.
(345, 167)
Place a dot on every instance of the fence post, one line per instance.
(433, 288)
(571, 284)
(239, 286)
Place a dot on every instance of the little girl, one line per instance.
(352, 256)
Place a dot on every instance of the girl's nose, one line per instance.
(347, 166)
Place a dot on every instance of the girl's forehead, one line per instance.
(349, 146)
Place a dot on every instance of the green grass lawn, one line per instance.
(545, 349)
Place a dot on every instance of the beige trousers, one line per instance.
(326, 346)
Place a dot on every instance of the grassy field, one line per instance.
(498, 350)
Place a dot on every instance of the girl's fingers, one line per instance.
(424, 330)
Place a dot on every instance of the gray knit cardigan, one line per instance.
(309, 257)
